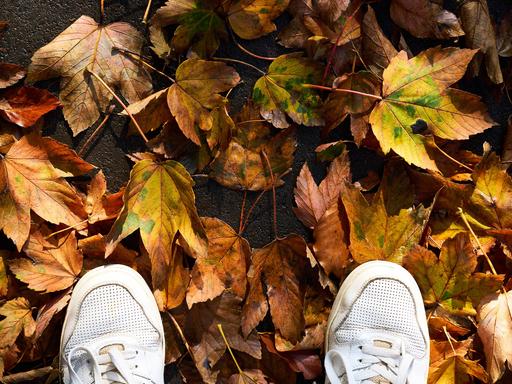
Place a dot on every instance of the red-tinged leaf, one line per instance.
(25, 105)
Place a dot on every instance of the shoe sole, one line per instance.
(118, 274)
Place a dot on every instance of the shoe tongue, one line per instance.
(381, 344)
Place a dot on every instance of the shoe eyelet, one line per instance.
(361, 347)
(360, 360)
(136, 366)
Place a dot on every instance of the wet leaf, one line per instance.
(87, 47)
(251, 19)
(54, 264)
(495, 330)
(18, 318)
(159, 202)
(280, 92)
(278, 272)
(196, 93)
(417, 90)
(450, 281)
(30, 179)
(223, 268)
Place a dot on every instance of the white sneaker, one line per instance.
(377, 330)
(113, 332)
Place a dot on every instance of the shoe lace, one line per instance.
(113, 366)
(376, 365)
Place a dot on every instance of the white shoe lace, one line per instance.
(113, 366)
(387, 364)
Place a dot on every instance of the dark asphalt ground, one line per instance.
(33, 24)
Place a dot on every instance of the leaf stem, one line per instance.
(182, 336)
(252, 121)
(240, 62)
(141, 132)
(451, 158)
(242, 211)
(240, 371)
(243, 49)
(96, 132)
(66, 229)
(102, 10)
(321, 87)
(144, 62)
(146, 14)
(460, 212)
(274, 204)
(249, 212)
(449, 339)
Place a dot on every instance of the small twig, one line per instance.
(146, 14)
(22, 377)
(140, 59)
(460, 212)
(243, 49)
(66, 229)
(141, 132)
(240, 62)
(274, 201)
(321, 87)
(451, 158)
(249, 212)
(242, 209)
(449, 339)
(102, 10)
(252, 121)
(182, 336)
(96, 132)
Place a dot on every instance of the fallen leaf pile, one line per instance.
(234, 313)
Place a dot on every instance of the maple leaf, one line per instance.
(377, 49)
(25, 105)
(243, 165)
(10, 74)
(160, 202)
(224, 267)
(196, 93)
(99, 204)
(280, 269)
(450, 281)
(449, 365)
(251, 19)
(425, 19)
(87, 47)
(495, 329)
(417, 90)
(18, 318)
(254, 376)
(479, 28)
(54, 264)
(32, 178)
(48, 311)
(280, 92)
(203, 335)
(150, 112)
(200, 28)
(313, 200)
(490, 203)
(377, 233)
(340, 104)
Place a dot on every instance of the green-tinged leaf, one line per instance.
(160, 203)
(280, 92)
(450, 280)
(417, 101)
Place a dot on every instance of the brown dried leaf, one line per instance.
(87, 47)
(10, 74)
(377, 49)
(18, 318)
